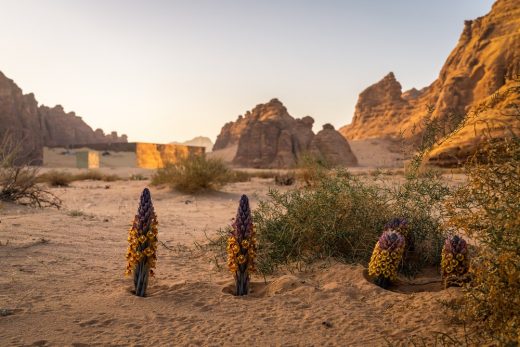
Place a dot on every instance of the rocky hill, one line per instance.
(485, 60)
(199, 141)
(36, 126)
(269, 137)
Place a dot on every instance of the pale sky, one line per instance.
(163, 71)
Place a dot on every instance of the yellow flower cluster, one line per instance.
(142, 247)
(384, 263)
(453, 264)
(241, 253)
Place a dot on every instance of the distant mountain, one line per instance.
(200, 141)
(485, 60)
(38, 126)
(269, 137)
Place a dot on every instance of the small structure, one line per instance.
(136, 154)
(87, 160)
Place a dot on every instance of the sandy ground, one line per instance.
(62, 281)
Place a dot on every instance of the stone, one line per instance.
(485, 60)
(37, 126)
(269, 137)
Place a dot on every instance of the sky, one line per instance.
(162, 71)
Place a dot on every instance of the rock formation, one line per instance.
(36, 126)
(269, 137)
(199, 141)
(486, 58)
(332, 147)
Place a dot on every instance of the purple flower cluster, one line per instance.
(396, 223)
(455, 245)
(243, 224)
(391, 240)
(145, 212)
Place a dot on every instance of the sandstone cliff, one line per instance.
(269, 137)
(37, 126)
(486, 58)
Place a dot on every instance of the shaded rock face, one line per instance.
(36, 126)
(20, 120)
(486, 58)
(333, 147)
(268, 137)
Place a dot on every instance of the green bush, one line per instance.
(342, 216)
(193, 174)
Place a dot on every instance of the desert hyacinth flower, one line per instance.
(386, 258)
(454, 260)
(241, 247)
(142, 239)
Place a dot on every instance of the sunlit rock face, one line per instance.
(36, 126)
(485, 60)
(269, 137)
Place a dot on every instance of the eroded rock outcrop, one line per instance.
(36, 126)
(269, 137)
(486, 59)
(333, 147)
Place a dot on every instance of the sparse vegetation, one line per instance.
(285, 179)
(18, 182)
(487, 208)
(137, 177)
(194, 174)
(56, 178)
(311, 169)
(96, 175)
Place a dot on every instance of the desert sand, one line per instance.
(63, 281)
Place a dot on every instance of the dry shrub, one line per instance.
(311, 169)
(96, 175)
(487, 208)
(285, 179)
(239, 176)
(18, 182)
(56, 178)
(194, 174)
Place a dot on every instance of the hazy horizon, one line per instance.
(169, 71)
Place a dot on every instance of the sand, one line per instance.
(62, 281)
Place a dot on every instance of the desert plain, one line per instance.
(63, 280)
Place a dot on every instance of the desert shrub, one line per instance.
(96, 175)
(263, 174)
(487, 208)
(342, 216)
(18, 182)
(339, 216)
(193, 174)
(137, 177)
(239, 176)
(285, 179)
(311, 169)
(56, 178)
